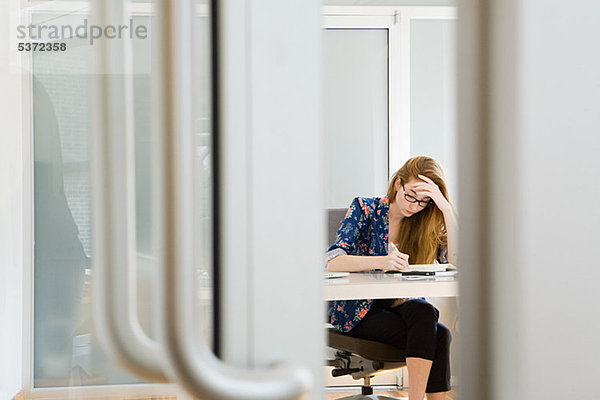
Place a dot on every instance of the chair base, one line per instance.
(368, 397)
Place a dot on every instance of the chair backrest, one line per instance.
(334, 217)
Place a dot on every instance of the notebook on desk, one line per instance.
(425, 269)
(329, 275)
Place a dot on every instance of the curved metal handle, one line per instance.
(194, 363)
(113, 184)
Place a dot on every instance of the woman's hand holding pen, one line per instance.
(394, 261)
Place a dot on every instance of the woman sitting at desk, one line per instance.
(417, 217)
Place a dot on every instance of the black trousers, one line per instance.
(412, 326)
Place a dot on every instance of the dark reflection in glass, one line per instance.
(66, 349)
(60, 259)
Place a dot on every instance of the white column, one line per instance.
(271, 163)
(12, 140)
(529, 122)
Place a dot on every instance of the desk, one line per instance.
(379, 285)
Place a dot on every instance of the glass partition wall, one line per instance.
(356, 113)
(433, 92)
(66, 351)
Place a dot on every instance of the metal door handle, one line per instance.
(116, 320)
(193, 361)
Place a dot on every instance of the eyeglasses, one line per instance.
(412, 199)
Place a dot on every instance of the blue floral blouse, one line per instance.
(363, 232)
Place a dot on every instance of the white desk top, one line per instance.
(378, 285)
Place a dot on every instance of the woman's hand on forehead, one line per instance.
(421, 189)
(428, 188)
(417, 188)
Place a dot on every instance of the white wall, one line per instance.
(531, 311)
(11, 219)
(559, 181)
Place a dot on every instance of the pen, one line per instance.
(392, 247)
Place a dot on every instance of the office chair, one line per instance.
(360, 358)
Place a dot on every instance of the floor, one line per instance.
(452, 395)
(328, 396)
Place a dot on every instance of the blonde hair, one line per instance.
(421, 234)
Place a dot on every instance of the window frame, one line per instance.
(397, 20)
